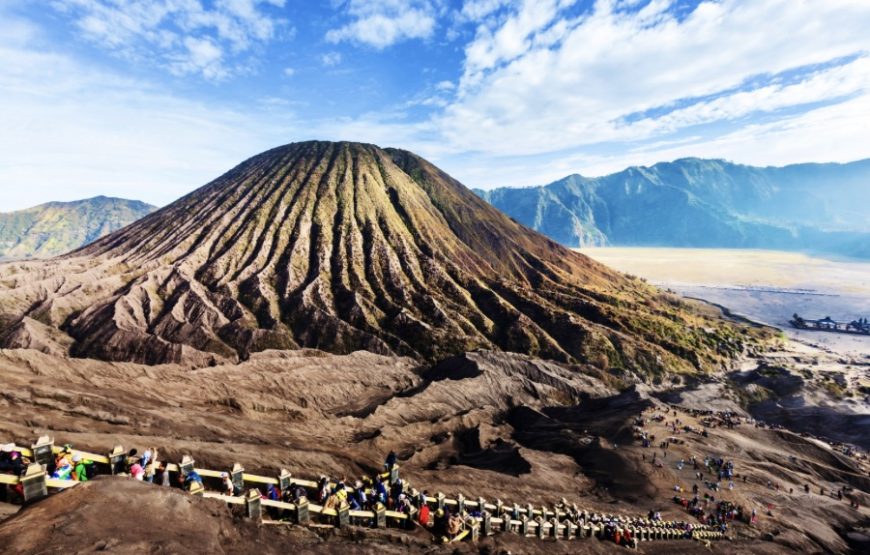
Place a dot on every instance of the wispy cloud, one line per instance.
(331, 59)
(541, 89)
(478, 10)
(382, 23)
(71, 130)
(547, 78)
(187, 36)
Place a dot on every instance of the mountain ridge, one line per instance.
(696, 202)
(341, 247)
(56, 227)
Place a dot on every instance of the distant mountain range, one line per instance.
(57, 227)
(703, 203)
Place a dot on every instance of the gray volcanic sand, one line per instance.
(505, 426)
(765, 286)
(769, 287)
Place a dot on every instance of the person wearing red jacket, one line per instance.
(423, 516)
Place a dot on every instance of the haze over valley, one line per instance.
(818, 208)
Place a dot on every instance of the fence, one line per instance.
(560, 522)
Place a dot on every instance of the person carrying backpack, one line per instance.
(442, 518)
(294, 493)
(272, 493)
(190, 478)
(360, 495)
(10, 460)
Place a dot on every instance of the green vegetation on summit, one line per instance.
(703, 203)
(55, 228)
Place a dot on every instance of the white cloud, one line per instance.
(382, 23)
(202, 56)
(331, 59)
(185, 36)
(836, 133)
(289, 72)
(510, 39)
(539, 81)
(541, 94)
(478, 10)
(70, 130)
(831, 84)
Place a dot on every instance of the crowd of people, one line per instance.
(716, 473)
(368, 494)
(382, 491)
(710, 512)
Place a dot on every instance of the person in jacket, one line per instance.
(390, 461)
(64, 458)
(190, 478)
(423, 516)
(149, 463)
(10, 460)
(439, 529)
(381, 494)
(80, 468)
(63, 464)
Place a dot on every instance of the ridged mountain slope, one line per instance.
(57, 227)
(346, 246)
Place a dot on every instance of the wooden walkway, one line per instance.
(480, 518)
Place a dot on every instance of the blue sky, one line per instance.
(150, 99)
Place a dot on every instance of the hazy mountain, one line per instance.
(58, 227)
(703, 203)
(341, 247)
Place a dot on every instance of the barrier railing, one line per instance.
(560, 522)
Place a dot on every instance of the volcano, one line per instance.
(344, 247)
